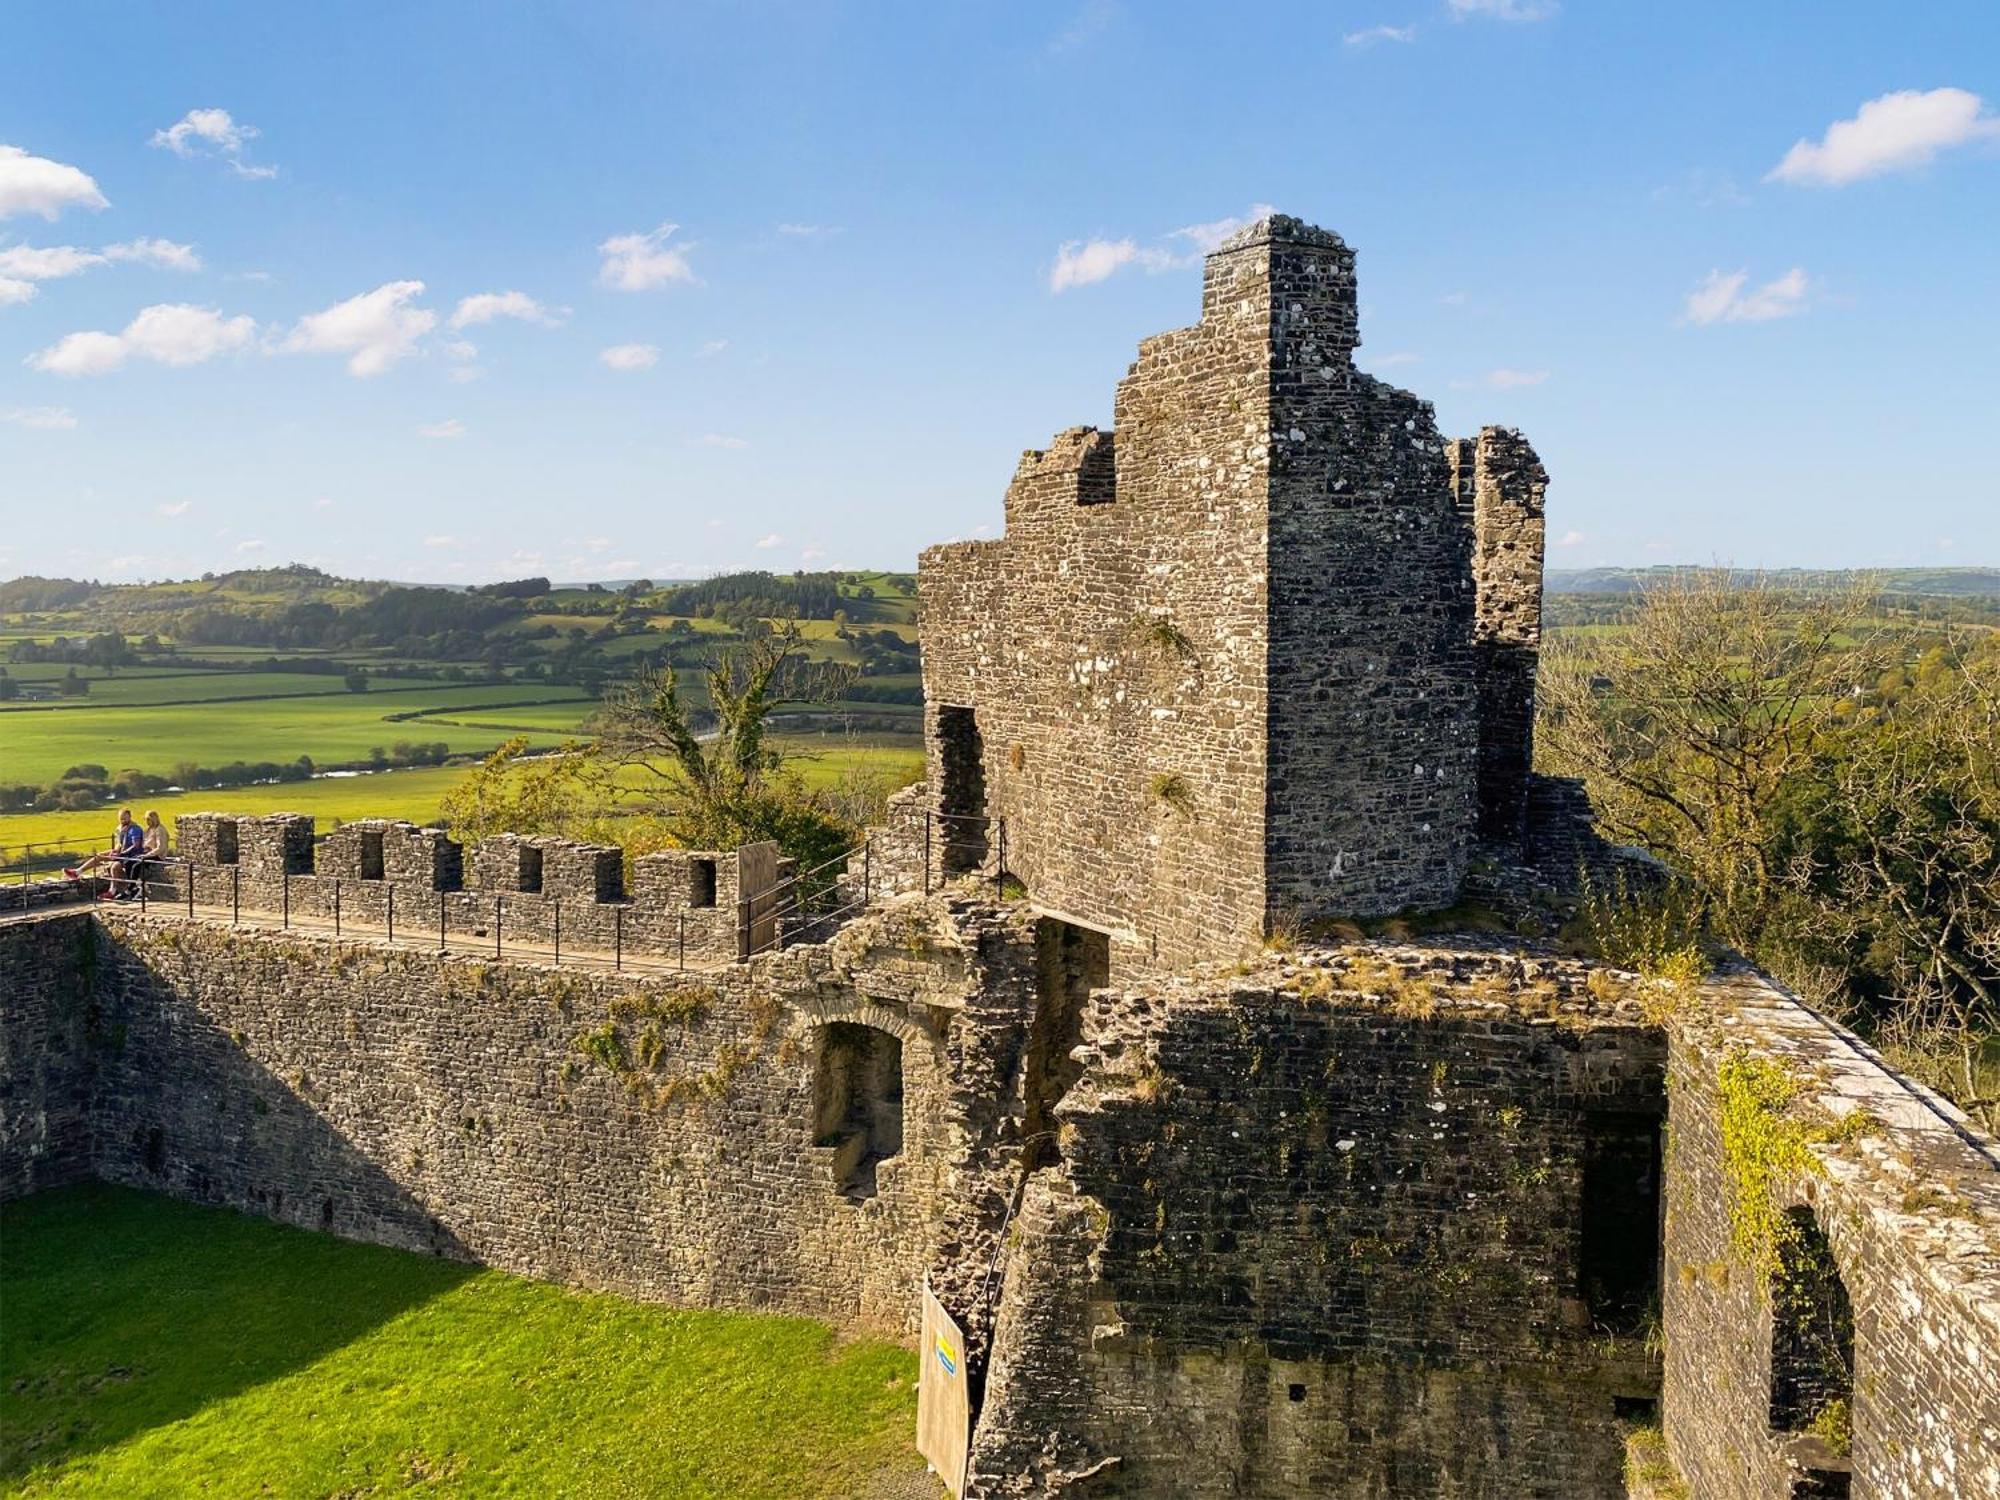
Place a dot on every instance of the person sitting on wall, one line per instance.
(127, 848)
(155, 848)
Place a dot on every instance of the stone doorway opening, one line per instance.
(961, 790)
(1618, 1263)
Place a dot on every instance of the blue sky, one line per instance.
(912, 240)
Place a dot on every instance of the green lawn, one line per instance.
(153, 1348)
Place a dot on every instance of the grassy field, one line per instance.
(38, 745)
(154, 1348)
(415, 794)
(128, 688)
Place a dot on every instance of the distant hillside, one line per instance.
(1942, 582)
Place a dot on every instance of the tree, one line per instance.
(734, 786)
(357, 680)
(1690, 724)
(1901, 877)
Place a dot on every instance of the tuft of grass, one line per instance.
(154, 1348)
(1171, 790)
(1158, 633)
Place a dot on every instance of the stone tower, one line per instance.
(1226, 664)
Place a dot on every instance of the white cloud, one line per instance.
(169, 333)
(175, 509)
(769, 541)
(177, 333)
(1081, 262)
(1374, 34)
(441, 541)
(712, 348)
(1898, 132)
(722, 440)
(375, 329)
(164, 254)
(1509, 380)
(23, 265)
(1390, 361)
(487, 306)
(250, 546)
(635, 262)
(1504, 10)
(1206, 237)
(46, 262)
(49, 418)
(36, 185)
(212, 132)
(450, 428)
(1722, 298)
(811, 552)
(1704, 188)
(1571, 539)
(1090, 22)
(466, 374)
(807, 231)
(629, 357)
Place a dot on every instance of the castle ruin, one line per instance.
(1214, 1216)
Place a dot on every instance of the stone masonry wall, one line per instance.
(1321, 1231)
(653, 1136)
(1373, 718)
(46, 1022)
(1501, 486)
(1909, 1199)
(1221, 663)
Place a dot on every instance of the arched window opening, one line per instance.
(858, 1103)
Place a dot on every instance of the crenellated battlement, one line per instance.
(698, 906)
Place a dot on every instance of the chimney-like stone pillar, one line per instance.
(1500, 485)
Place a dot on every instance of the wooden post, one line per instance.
(286, 880)
(558, 931)
(336, 906)
(617, 937)
(496, 926)
(440, 921)
(392, 914)
(235, 893)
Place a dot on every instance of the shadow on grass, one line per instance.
(124, 1311)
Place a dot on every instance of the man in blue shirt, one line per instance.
(128, 846)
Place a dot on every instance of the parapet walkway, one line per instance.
(409, 936)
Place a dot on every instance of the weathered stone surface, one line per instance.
(1222, 666)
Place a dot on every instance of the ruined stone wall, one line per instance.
(1501, 487)
(1324, 1233)
(1222, 664)
(1774, 1110)
(663, 1137)
(47, 966)
(1111, 646)
(1373, 718)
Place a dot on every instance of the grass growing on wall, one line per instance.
(156, 1348)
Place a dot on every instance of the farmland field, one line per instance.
(38, 744)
